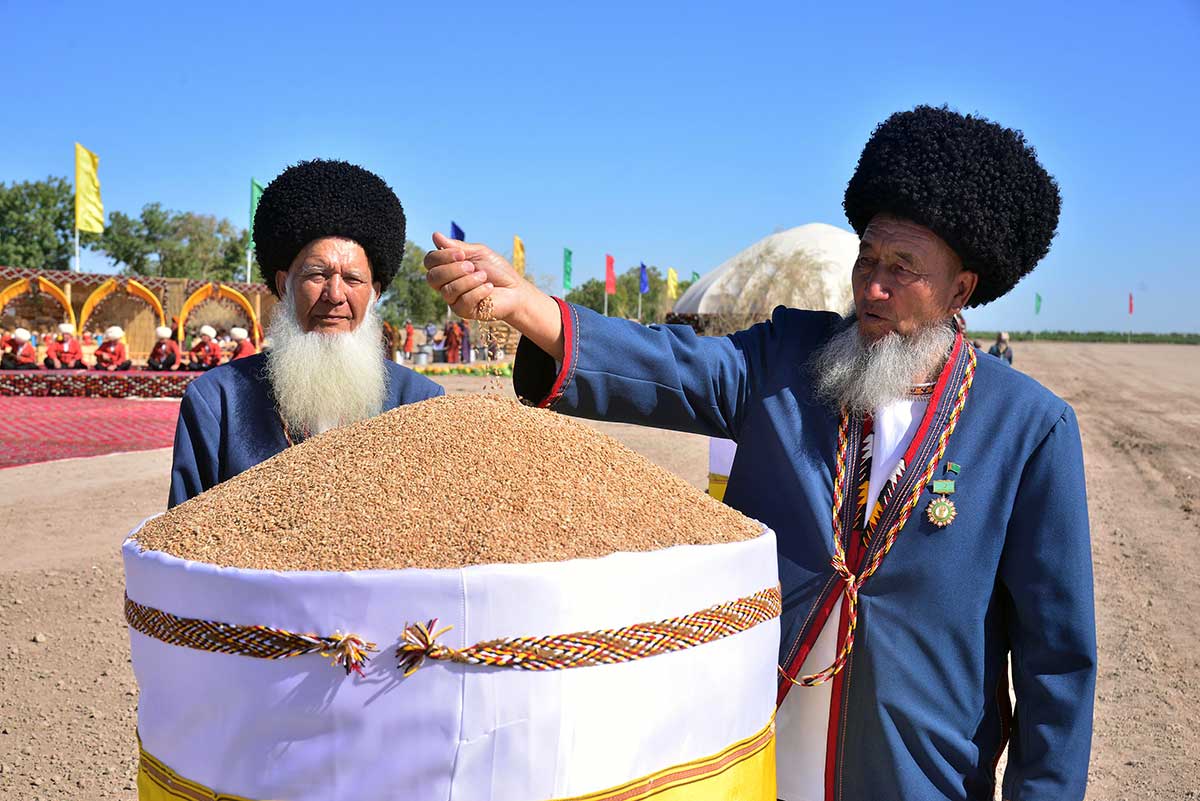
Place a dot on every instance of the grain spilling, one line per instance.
(445, 483)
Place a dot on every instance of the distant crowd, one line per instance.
(65, 350)
(451, 342)
(21, 349)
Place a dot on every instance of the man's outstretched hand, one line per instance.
(464, 274)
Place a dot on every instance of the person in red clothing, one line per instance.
(21, 355)
(454, 337)
(64, 351)
(112, 355)
(409, 344)
(205, 353)
(5, 339)
(242, 347)
(166, 353)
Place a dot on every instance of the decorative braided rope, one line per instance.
(853, 583)
(262, 642)
(587, 648)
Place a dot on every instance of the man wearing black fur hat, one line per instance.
(929, 504)
(329, 237)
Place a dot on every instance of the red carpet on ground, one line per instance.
(44, 429)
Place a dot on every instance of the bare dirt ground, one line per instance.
(68, 698)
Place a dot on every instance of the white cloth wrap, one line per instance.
(720, 456)
(300, 729)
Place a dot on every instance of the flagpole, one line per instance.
(247, 265)
(639, 305)
(605, 301)
(78, 266)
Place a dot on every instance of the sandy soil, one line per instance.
(68, 699)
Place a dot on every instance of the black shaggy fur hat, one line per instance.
(328, 198)
(974, 183)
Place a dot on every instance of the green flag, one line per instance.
(695, 277)
(566, 269)
(1037, 303)
(256, 191)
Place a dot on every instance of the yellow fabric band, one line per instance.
(157, 782)
(745, 771)
(716, 485)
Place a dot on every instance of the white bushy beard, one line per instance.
(322, 381)
(861, 376)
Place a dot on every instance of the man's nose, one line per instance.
(335, 290)
(877, 289)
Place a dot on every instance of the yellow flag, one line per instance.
(672, 283)
(89, 211)
(518, 255)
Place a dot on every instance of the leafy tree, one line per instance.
(125, 242)
(409, 297)
(590, 294)
(200, 248)
(176, 244)
(37, 224)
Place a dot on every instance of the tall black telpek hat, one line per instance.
(321, 198)
(974, 183)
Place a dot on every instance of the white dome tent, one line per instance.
(806, 267)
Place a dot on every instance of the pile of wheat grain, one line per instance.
(449, 482)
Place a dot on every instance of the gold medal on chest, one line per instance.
(941, 509)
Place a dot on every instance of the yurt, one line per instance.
(807, 267)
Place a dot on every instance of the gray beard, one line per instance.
(859, 377)
(322, 381)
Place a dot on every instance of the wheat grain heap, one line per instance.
(460, 598)
(449, 482)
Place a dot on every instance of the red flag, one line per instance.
(1131, 303)
(610, 276)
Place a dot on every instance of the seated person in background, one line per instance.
(166, 353)
(5, 339)
(64, 351)
(20, 355)
(206, 353)
(111, 354)
(242, 347)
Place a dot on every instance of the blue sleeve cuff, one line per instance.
(538, 379)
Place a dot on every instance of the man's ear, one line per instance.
(378, 287)
(281, 282)
(964, 286)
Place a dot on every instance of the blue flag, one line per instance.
(456, 232)
(645, 285)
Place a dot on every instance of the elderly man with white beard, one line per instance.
(929, 504)
(329, 238)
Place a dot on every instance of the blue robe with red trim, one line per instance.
(924, 696)
(228, 422)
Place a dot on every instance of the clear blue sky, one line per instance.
(670, 133)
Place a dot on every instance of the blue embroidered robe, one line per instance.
(228, 422)
(924, 696)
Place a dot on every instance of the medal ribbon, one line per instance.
(853, 583)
